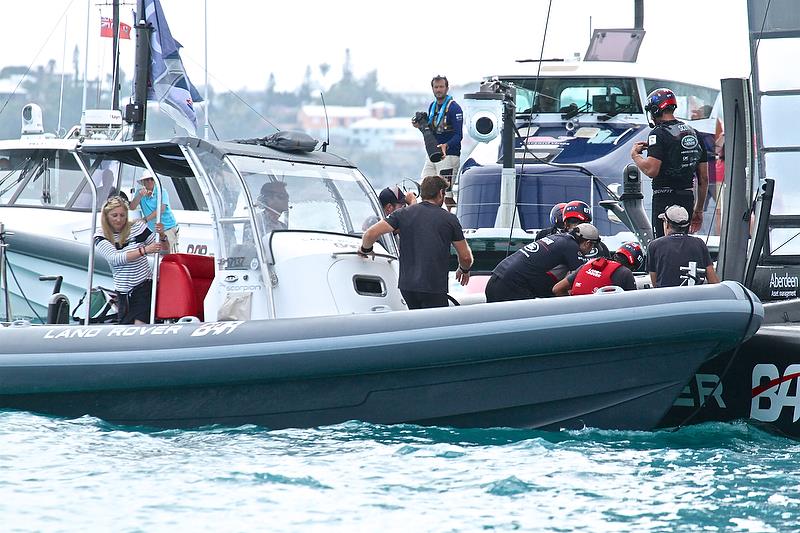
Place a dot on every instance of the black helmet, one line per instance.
(557, 215)
(577, 210)
(659, 101)
(632, 252)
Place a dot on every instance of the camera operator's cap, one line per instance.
(146, 175)
(392, 195)
(587, 231)
(675, 214)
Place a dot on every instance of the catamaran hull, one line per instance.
(609, 361)
(759, 383)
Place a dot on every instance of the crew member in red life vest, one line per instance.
(602, 272)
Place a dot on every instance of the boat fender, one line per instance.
(609, 289)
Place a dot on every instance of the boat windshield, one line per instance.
(576, 94)
(38, 178)
(299, 196)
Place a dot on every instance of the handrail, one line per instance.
(157, 259)
(90, 265)
(385, 256)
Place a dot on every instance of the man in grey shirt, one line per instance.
(426, 232)
(666, 255)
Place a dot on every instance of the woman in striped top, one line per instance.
(125, 246)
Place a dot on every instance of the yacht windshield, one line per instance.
(298, 196)
(588, 95)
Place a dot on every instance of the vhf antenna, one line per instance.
(327, 126)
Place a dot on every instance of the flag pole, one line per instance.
(115, 55)
(208, 104)
(86, 56)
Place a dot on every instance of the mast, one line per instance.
(136, 112)
(115, 55)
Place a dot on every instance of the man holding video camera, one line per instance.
(442, 128)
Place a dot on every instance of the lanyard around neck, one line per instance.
(440, 115)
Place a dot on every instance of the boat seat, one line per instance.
(184, 280)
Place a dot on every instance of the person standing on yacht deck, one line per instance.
(446, 119)
(125, 245)
(666, 255)
(426, 233)
(675, 154)
(146, 199)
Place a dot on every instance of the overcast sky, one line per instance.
(406, 41)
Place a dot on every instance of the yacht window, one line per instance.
(42, 178)
(555, 95)
(694, 101)
(318, 198)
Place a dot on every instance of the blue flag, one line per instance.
(169, 83)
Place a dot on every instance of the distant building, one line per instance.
(389, 134)
(10, 85)
(313, 117)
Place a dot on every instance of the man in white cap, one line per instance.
(146, 199)
(666, 255)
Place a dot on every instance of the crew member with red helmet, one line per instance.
(526, 273)
(675, 154)
(602, 272)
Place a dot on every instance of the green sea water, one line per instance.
(86, 475)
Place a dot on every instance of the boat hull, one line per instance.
(759, 383)
(609, 361)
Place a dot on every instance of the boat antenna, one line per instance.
(512, 127)
(327, 125)
(63, 73)
(86, 55)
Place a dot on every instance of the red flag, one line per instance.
(106, 27)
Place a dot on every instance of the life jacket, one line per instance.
(594, 275)
(438, 120)
(681, 157)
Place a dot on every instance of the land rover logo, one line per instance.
(231, 278)
(689, 142)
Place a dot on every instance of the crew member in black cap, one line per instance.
(666, 255)
(392, 198)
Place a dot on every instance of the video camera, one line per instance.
(420, 121)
